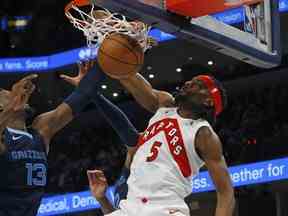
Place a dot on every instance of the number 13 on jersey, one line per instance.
(36, 174)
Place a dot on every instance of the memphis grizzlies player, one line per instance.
(23, 151)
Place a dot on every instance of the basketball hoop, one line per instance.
(95, 28)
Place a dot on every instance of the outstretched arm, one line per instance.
(209, 145)
(117, 120)
(149, 98)
(113, 115)
(48, 124)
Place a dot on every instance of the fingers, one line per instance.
(29, 89)
(24, 83)
(84, 67)
(28, 86)
(30, 77)
(68, 79)
(21, 92)
(96, 176)
(90, 177)
(88, 65)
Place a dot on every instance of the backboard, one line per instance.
(257, 44)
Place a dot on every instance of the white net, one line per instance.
(97, 24)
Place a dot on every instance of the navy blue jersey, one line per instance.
(121, 187)
(23, 173)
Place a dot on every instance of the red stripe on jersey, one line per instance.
(174, 139)
(177, 148)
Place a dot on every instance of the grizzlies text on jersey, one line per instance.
(24, 171)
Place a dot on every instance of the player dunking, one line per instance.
(23, 151)
(178, 141)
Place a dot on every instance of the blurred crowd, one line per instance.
(90, 148)
(254, 127)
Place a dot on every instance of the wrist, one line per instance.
(101, 198)
(129, 78)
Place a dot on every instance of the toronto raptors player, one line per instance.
(177, 142)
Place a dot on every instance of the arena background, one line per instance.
(254, 128)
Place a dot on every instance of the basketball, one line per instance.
(120, 56)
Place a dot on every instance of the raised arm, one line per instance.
(114, 116)
(13, 103)
(209, 146)
(48, 124)
(149, 98)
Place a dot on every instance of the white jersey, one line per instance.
(166, 160)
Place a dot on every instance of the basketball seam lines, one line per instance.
(112, 57)
(124, 45)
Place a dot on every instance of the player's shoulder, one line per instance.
(202, 123)
(16, 134)
(205, 131)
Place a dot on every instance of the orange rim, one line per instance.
(79, 3)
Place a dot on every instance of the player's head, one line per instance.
(204, 96)
(5, 97)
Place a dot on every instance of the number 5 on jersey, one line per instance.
(154, 151)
